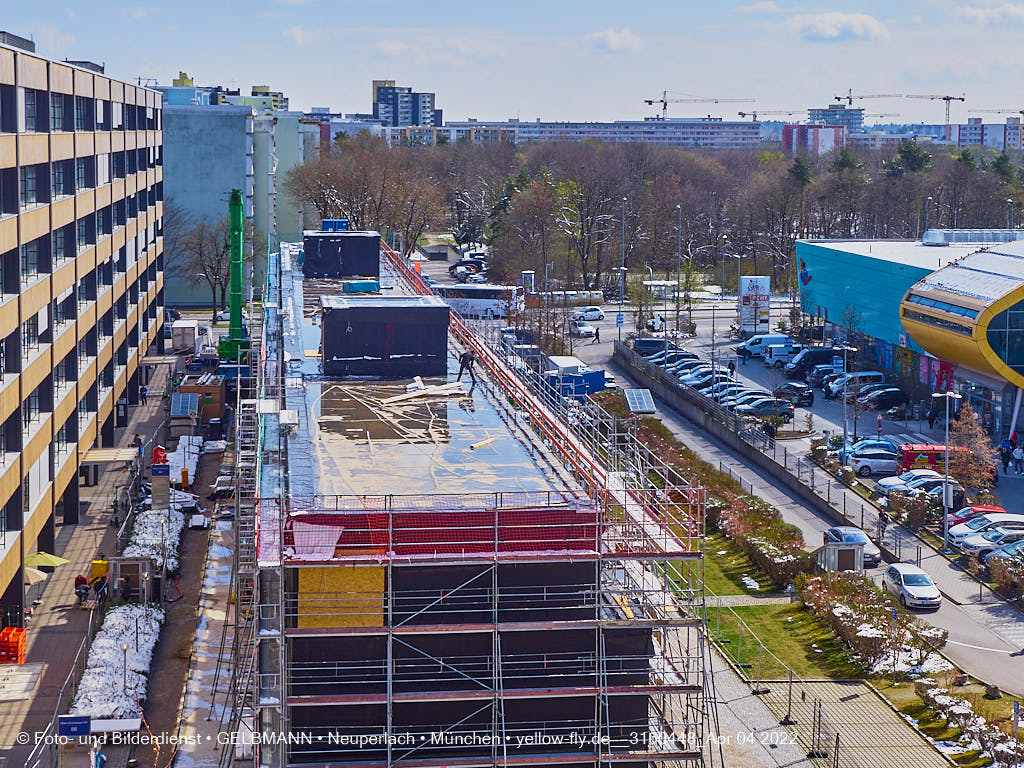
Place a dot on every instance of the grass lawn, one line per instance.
(792, 635)
(725, 565)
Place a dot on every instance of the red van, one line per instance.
(918, 456)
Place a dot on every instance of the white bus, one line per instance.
(482, 300)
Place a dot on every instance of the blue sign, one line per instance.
(837, 364)
(895, 615)
(620, 319)
(161, 470)
(68, 725)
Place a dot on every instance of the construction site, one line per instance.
(430, 572)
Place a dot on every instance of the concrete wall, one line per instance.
(207, 153)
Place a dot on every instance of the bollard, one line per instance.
(844, 505)
(828, 492)
(788, 719)
(862, 520)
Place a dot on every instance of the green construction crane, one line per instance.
(235, 346)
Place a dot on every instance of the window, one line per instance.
(30, 333)
(116, 116)
(81, 174)
(939, 322)
(31, 112)
(56, 111)
(84, 120)
(102, 169)
(60, 244)
(29, 185)
(9, 200)
(31, 407)
(118, 165)
(82, 234)
(29, 261)
(60, 178)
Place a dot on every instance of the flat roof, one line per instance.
(985, 275)
(911, 252)
(350, 442)
(385, 302)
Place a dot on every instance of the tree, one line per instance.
(974, 467)
(206, 254)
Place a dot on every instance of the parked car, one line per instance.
(469, 265)
(224, 315)
(826, 380)
(853, 381)
(850, 534)
(771, 406)
(883, 399)
(756, 345)
(873, 461)
(959, 494)
(582, 329)
(171, 314)
(778, 355)
(588, 313)
(865, 444)
(964, 514)
(648, 346)
(982, 543)
(477, 277)
(794, 390)
(817, 373)
(922, 485)
(706, 378)
(983, 523)
(899, 482)
(701, 371)
(673, 356)
(1014, 550)
(723, 388)
(808, 359)
(912, 587)
(746, 399)
(684, 367)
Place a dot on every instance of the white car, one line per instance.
(224, 315)
(588, 313)
(478, 277)
(872, 461)
(899, 482)
(913, 587)
(981, 544)
(583, 330)
(984, 523)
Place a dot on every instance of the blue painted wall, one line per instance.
(833, 279)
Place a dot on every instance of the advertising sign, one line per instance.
(755, 304)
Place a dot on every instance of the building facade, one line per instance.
(81, 273)
(400, 106)
(812, 140)
(208, 152)
(851, 118)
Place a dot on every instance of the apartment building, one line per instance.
(81, 284)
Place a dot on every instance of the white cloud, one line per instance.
(299, 35)
(837, 27)
(53, 41)
(1007, 13)
(764, 6)
(615, 41)
(392, 47)
(137, 12)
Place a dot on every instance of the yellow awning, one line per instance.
(107, 455)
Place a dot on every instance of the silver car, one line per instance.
(912, 587)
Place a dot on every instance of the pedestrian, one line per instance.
(143, 393)
(932, 415)
(466, 361)
(1018, 460)
(1005, 454)
(81, 589)
(732, 367)
(102, 590)
(597, 335)
(1013, 440)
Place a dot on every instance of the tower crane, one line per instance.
(849, 97)
(665, 101)
(884, 114)
(933, 96)
(754, 114)
(999, 111)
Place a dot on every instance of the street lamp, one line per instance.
(546, 265)
(124, 650)
(622, 270)
(927, 210)
(842, 453)
(1009, 203)
(947, 493)
(679, 259)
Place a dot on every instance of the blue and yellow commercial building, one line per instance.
(942, 313)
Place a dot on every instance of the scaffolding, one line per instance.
(561, 627)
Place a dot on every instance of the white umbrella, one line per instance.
(34, 576)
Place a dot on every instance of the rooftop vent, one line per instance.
(940, 237)
(90, 65)
(16, 41)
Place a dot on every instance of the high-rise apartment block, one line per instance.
(400, 106)
(850, 118)
(81, 285)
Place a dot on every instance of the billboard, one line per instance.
(755, 304)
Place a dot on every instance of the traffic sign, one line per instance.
(68, 725)
(620, 319)
(837, 364)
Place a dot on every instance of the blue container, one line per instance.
(334, 225)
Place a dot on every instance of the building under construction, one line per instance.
(452, 578)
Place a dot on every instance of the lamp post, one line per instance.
(622, 270)
(927, 210)
(1009, 203)
(546, 265)
(947, 492)
(124, 668)
(842, 453)
(723, 243)
(679, 259)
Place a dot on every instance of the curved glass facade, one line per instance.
(1006, 336)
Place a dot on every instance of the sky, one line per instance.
(561, 59)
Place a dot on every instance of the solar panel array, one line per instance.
(640, 400)
(185, 405)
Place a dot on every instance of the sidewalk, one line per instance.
(56, 628)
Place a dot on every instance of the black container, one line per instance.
(341, 254)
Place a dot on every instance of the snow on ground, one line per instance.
(910, 663)
(155, 530)
(185, 455)
(109, 689)
(750, 583)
